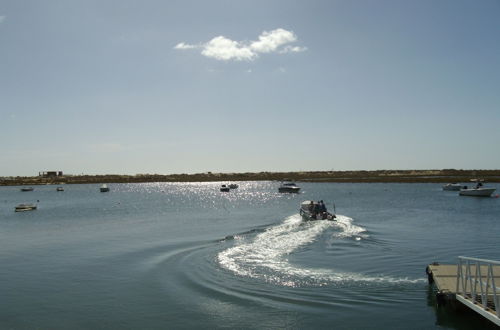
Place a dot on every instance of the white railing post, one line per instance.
(467, 279)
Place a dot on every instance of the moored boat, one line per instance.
(233, 186)
(452, 187)
(311, 210)
(27, 189)
(104, 188)
(288, 187)
(59, 189)
(25, 207)
(478, 191)
(224, 188)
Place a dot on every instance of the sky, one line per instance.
(129, 87)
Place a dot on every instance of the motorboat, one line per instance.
(452, 186)
(104, 188)
(311, 210)
(479, 190)
(60, 189)
(288, 187)
(27, 189)
(25, 207)
(224, 188)
(233, 186)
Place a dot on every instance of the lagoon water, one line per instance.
(184, 255)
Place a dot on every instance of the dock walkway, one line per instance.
(473, 282)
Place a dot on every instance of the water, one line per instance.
(184, 255)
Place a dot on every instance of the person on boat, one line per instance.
(312, 209)
(322, 206)
(479, 185)
(317, 208)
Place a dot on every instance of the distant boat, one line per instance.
(60, 189)
(288, 187)
(452, 186)
(104, 188)
(224, 188)
(478, 191)
(233, 186)
(25, 207)
(27, 189)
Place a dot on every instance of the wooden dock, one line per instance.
(473, 282)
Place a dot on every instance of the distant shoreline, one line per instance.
(395, 176)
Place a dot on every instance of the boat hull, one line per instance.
(307, 216)
(25, 207)
(452, 187)
(477, 192)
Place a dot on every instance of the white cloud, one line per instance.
(222, 48)
(183, 45)
(293, 49)
(225, 49)
(2, 18)
(271, 41)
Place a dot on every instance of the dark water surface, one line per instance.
(184, 255)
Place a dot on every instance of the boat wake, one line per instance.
(265, 256)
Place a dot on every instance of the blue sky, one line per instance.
(130, 87)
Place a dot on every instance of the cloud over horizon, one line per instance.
(225, 49)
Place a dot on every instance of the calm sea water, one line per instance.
(184, 255)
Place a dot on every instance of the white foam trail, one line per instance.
(265, 256)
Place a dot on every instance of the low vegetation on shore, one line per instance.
(406, 176)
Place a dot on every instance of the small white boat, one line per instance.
(288, 187)
(25, 207)
(479, 190)
(60, 189)
(224, 188)
(27, 189)
(311, 210)
(452, 187)
(104, 188)
(233, 186)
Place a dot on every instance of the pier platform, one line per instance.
(472, 282)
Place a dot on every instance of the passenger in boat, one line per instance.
(311, 207)
(322, 206)
(479, 185)
(317, 208)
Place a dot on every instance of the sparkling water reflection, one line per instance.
(185, 255)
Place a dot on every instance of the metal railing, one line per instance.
(476, 283)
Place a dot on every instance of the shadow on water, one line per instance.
(455, 315)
